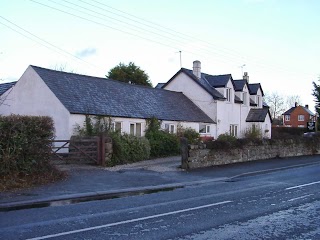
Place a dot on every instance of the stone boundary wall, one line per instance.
(198, 156)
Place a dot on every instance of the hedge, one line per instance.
(25, 143)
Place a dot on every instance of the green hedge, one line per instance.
(128, 148)
(25, 143)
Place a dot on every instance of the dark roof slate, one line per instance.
(217, 80)
(239, 85)
(5, 86)
(159, 85)
(254, 87)
(82, 94)
(257, 114)
(288, 112)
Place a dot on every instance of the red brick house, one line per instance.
(298, 116)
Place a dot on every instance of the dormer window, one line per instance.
(228, 94)
(258, 101)
(245, 98)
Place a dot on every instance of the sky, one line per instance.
(276, 41)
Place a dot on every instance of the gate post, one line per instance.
(102, 150)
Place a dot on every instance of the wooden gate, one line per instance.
(79, 150)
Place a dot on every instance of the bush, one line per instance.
(253, 133)
(161, 143)
(287, 132)
(25, 144)
(226, 137)
(128, 148)
(190, 134)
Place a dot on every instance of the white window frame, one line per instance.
(114, 124)
(300, 118)
(301, 126)
(170, 127)
(205, 127)
(135, 129)
(233, 130)
(245, 98)
(228, 94)
(286, 117)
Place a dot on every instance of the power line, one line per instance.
(52, 47)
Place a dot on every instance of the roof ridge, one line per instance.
(97, 78)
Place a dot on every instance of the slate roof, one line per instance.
(257, 114)
(82, 94)
(293, 108)
(237, 99)
(253, 88)
(159, 85)
(5, 86)
(217, 80)
(239, 84)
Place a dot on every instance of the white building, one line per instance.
(68, 97)
(210, 104)
(234, 105)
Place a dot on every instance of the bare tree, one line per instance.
(276, 102)
(292, 100)
(63, 67)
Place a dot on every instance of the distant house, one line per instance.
(234, 105)
(68, 97)
(298, 116)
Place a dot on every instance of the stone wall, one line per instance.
(199, 156)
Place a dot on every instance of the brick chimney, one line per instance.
(197, 68)
(246, 76)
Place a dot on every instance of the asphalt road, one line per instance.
(276, 205)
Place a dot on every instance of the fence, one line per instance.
(95, 150)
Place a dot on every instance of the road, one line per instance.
(277, 205)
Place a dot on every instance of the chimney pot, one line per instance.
(197, 68)
(296, 104)
(307, 106)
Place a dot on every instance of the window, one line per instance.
(228, 94)
(287, 117)
(301, 126)
(258, 100)
(300, 117)
(135, 129)
(169, 128)
(116, 126)
(204, 128)
(233, 130)
(245, 98)
(132, 128)
(138, 129)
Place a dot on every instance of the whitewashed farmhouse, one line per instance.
(68, 97)
(234, 105)
(212, 105)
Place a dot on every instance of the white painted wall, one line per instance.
(31, 96)
(79, 119)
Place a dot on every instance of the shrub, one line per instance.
(190, 134)
(128, 148)
(227, 138)
(287, 132)
(94, 126)
(25, 144)
(253, 132)
(161, 143)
